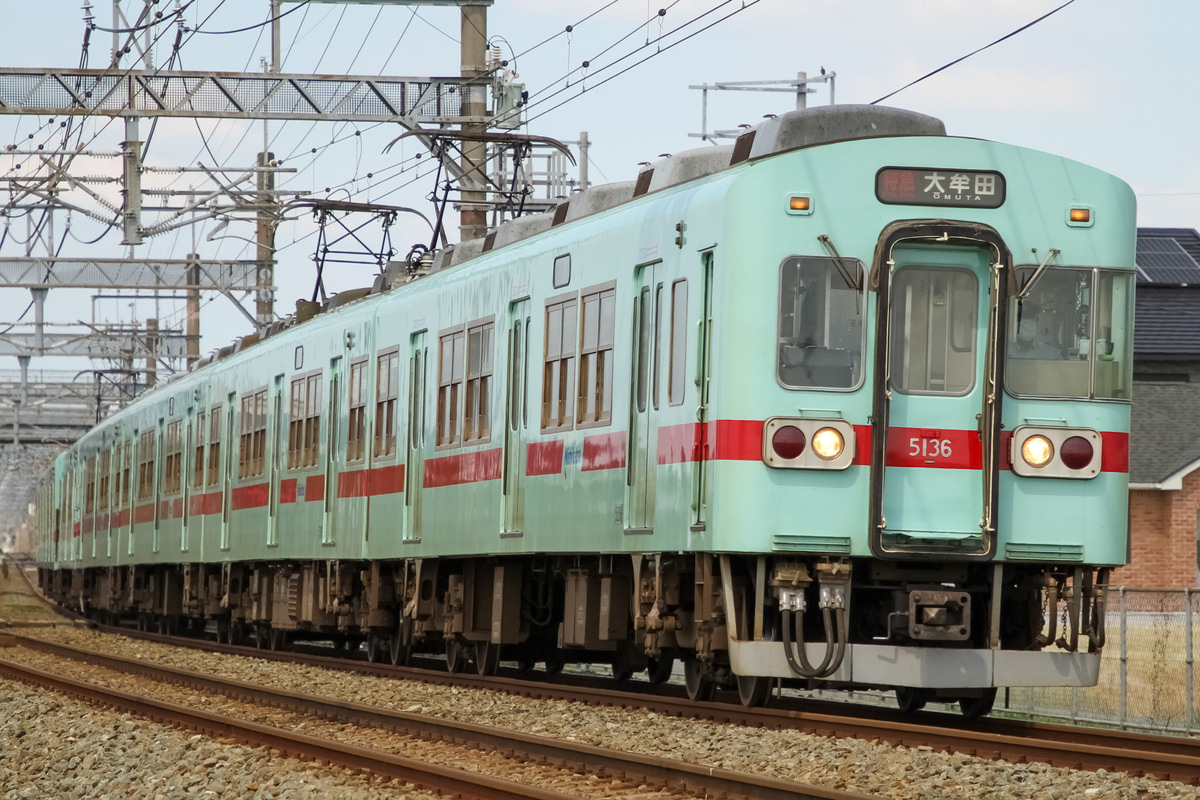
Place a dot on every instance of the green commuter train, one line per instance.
(845, 403)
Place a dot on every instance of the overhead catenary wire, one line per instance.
(961, 59)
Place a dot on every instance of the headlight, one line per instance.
(828, 444)
(1037, 451)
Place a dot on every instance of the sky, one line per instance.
(1106, 82)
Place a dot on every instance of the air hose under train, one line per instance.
(833, 583)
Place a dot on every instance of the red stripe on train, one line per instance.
(256, 496)
(604, 451)
(367, 482)
(934, 448)
(544, 458)
(483, 465)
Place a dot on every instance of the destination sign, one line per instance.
(919, 186)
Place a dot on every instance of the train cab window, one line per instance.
(387, 392)
(558, 376)
(821, 332)
(934, 330)
(596, 356)
(356, 446)
(1071, 335)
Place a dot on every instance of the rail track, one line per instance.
(630, 769)
(1163, 757)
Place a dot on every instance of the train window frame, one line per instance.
(387, 401)
(974, 351)
(89, 501)
(857, 363)
(677, 360)
(356, 410)
(252, 433)
(145, 461)
(173, 456)
(561, 272)
(1121, 374)
(105, 471)
(477, 421)
(451, 376)
(214, 445)
(201, 433)
(558, 367)
(597, 361)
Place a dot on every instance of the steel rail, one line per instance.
(425, 776)
(1164, 757)
(669, 772)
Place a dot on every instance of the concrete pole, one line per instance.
(193, 309)
(39, 320)
(17, 406)
(472, 212)
(131, 215)
(801, 90)
(265, 272)
(151, 352)
(275, 67)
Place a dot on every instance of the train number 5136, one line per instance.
(929, 448)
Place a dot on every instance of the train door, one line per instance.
(933, 483)
(156, 492)
(185, 477)
(703, 377)
(276, 453)
(333, 452)
(415, 459)
(641, 458)
(516, 419)
(231, 443)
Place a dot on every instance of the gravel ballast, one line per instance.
(848, 764)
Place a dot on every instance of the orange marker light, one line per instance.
(800, 204)
(1081, 215)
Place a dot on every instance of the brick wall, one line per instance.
(1163, 538)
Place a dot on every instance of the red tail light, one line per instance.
(1076, 452)
(788, 442)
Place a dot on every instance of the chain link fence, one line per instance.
(1147, 676)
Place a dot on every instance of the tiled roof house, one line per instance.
(1164, 459)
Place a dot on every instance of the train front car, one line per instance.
(925, 342)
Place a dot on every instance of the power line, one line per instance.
(974, 52)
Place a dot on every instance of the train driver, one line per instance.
(1028, 345)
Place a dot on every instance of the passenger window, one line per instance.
(477, 427)
(821, 334)
(356, 445)
(596, 357)
(932, 307)
(450, 381)
(387, 392)
(558, 376)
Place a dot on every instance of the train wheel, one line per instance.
(622, 671)
(401, 644)
(375, 647)
(659, 670)
(487, 658)
(975, 707)
(456, 656)
(911, 700)
(753, 690)
(554, 664)
(700, 687)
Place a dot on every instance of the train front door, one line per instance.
(933, 484)
(641, 459)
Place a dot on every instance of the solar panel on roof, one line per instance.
(1162, 260)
